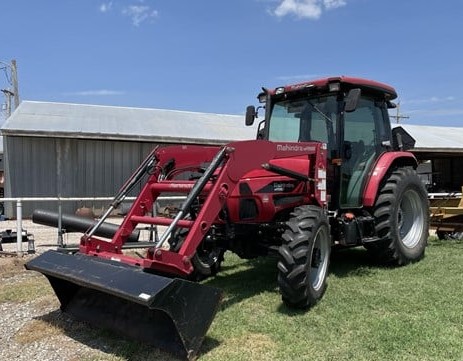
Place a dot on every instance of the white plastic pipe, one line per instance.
(19, 228)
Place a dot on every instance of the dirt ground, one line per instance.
(32, 327)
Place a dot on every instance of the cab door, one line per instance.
(363, 134)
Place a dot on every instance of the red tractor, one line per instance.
(326, 170)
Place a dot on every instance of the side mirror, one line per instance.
(352, 100)
(391, 105)
(250, 115)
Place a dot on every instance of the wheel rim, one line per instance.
(410, 219)
(208, 257)
(319, 259)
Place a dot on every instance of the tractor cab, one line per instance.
(349, 115)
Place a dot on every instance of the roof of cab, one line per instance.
(371, 85)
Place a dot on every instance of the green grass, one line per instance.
(23, 291)
(27, 289)
(369, 312)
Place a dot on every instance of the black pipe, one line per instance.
(73, 223)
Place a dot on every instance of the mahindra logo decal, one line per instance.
(295, 148)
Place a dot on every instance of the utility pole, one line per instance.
(12, 80)
(398, 116)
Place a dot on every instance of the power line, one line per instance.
(7, 76)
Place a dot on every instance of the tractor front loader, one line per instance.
(326, 170)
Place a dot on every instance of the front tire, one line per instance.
(304, 257)
(207, 259)
(401, 218)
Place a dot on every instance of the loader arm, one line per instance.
(109, 289)
(239, 158)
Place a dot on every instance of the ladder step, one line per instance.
(161, 221)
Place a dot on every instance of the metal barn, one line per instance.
(440, 151)
(72, 150)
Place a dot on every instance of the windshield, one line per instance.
(302, 120)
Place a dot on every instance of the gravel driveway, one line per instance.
(33, 328)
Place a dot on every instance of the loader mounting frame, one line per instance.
(227, 166)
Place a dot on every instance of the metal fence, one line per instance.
(20, 232)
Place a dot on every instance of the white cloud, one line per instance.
(437, 112)
(304, 9)
(140, 13)
(308, 9)
(433, 107)
(99, 92)
(432, 99)
(105, 7)
(333, 4)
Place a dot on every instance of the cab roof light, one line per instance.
(334, 87)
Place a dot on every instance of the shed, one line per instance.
(75, 150)
(440, 152)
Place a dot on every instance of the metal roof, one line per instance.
(435, 139)
(120, 123)
(47, 119)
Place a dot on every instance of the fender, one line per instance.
(383, 164)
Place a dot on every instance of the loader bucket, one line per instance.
(171, 314)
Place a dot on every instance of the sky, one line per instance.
(215, 55)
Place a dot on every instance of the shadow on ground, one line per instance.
(240, 281)
(354, 262)
(111, 343)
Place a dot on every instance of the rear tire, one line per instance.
(304, 257)
(401, 218)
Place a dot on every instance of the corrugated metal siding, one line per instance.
(31, 169)
(30, 180)
(50, 167)
(104, 166)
